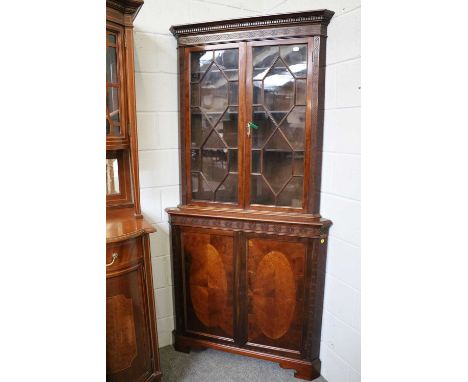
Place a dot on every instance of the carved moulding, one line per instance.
(281, 229)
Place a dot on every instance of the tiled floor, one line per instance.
(216, 366)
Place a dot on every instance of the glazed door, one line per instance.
(213, 116)
(208, 258)
(279, 86)
(128, 353)
(276, 281)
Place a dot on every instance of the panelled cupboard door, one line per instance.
(208, 257)
(276, 292)
(213, 116)
(127, 323)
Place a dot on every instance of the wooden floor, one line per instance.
(216, 366)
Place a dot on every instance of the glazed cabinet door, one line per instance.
(278, 107)
(208, 284)
(213, 108)
(130, 356)
(276, 291)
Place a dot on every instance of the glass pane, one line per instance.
(194, 95)
(200, 127)
(277, 162)
(295, 57)
(200, 188)
(199, 63)
(112, 176)
(214, 124)
(195, 160)
(301, 86)
(298, 162)
(260, 193)
(113, 103)
(265, 127)
(227, 127)
(111, 65)
(256, 161)
(234, 93)
(263, 58)
(279, 91)
(233, 166)
(257, 92)
(111, 38)
(227, 192)
(214, 160)
(291, 196)
(228, 61)
(293, 127)
(213, 94)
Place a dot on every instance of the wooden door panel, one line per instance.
(128, 335)
(209, 277)
(275, 282)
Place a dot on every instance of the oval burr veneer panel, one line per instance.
(274, 295)
(208, 284)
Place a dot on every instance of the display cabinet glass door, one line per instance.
(214, 120)
(277, 84)
(114, 80)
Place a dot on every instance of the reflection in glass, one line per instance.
(213, 93)
(263, 58)
(113, 103)
(112, 176)
(228, 61)
(278, 87)
(199, 63)
(111, 64)
(295, 57)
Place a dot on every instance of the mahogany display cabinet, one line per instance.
(248, 242)
(132, 352)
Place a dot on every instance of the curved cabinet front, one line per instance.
(131, 344)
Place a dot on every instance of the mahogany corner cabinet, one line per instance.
(248, 242)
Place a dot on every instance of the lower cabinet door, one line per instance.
(129, 352)
(208, 260)
(276, 292)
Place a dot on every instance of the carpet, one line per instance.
(217, 366)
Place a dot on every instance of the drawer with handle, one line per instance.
(119, 255)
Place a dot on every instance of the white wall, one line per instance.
(156, 87)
